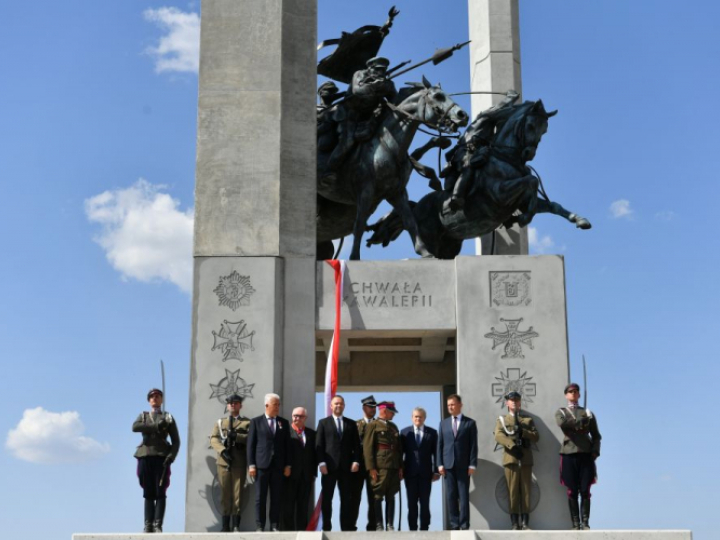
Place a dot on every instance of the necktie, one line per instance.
(455, 425)
(418, 437)
(339, 426)
(272, 425)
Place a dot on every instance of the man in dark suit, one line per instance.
(298, 486)
(269, 459)
(419, 444)
(457, 461)
(338, 452)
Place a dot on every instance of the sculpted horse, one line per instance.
(379, 169)
(503, 191)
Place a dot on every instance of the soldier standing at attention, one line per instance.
(580, 449)
(515, 431)
(383, 454)
(154, 457)
(369, 405)
(229, 440)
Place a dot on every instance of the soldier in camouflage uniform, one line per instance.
(516, 431)
(383, 454)
(362, 479)
(229, 440)
(154, 457)
(580, 449)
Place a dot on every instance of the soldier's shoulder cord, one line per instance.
(505, 429)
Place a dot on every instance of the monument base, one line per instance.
(431, 535)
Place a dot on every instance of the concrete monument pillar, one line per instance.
(253, 325)
(512, 335)
(495, 67)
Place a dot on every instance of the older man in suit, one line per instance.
(268, 456)
(298, 486)
(457, 461)
(338, 454)
(420, 448)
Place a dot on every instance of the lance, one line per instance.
(440, 55)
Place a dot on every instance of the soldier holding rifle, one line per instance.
(229, 440)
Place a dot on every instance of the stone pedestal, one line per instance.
(254, 285)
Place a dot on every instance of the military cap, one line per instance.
(154, 391)
(234, 398)
(390, 405)
(369, 401)
(327, 88)
(378, 61)
(513, 395)
(571, 386)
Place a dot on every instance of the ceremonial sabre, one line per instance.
(162, 372)
(584, 383)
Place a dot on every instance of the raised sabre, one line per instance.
(584, 383)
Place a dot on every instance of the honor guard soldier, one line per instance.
(383, 454)
(229, 440)
(516, 432)
(362, 481)
(580, 449)
(154, 455)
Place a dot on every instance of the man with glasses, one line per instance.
(303, 461)
(580, 449)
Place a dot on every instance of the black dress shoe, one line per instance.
(274, 527)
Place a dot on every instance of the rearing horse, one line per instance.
(379, 169)
(499, 189)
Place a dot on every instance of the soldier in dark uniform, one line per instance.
(362, 479)
(580, 449)
(154, 457)
(516, 431)
(229, 440)
(360, 112)
(472, 151)
(383, 454)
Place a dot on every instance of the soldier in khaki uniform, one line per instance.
(229, 440)
(516, 431)
(362, 479)
(383, 454)
(580, 449)
(154, 457)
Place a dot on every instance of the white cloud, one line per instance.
(665, 215)
(46, 437)
(144, 234)
(621, 208)
(179, 48)
(537, 243)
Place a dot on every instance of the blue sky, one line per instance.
(97, 149)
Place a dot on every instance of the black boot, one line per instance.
(235, 523)
(379, 526)
(225, 524)
(514, 525)
(574, 513)
(149, 515)
(525, 522)
(585, 511)
(390, 513)
(159, 515)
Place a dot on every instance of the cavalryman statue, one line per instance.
(516, 431)
(358, 116)
(472, 150)
(382, 451)
(154, 455)
(229, 440)
(579, 450)
(327, 136)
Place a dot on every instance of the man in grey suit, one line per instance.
(457, 461)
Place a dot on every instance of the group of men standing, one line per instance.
(370, 455)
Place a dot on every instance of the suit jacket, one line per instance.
(303, 457)
(506, 435)
(457, 452)
(337, 453)
(263, 446)
(419, 461)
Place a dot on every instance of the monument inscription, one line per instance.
(405, 294)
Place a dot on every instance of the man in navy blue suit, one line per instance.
(268, 450)
(457, 461)
(419, 443)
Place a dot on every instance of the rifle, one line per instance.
(229, 443)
